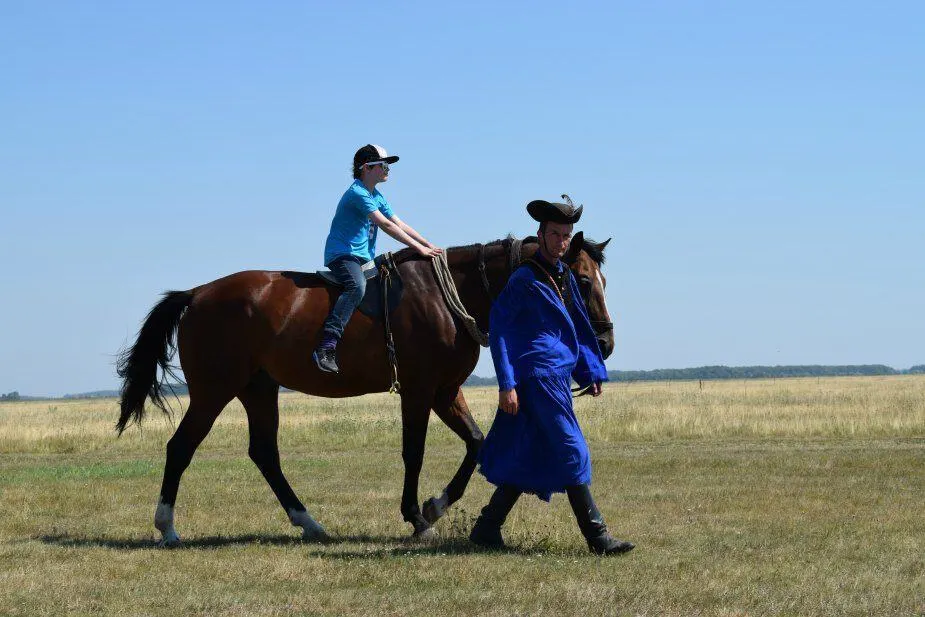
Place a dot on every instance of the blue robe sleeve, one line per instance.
(590, 365)
(502, 321)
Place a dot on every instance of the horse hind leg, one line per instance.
(454, 411)
(193, 428)
(260, 400)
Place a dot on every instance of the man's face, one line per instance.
(378, 172)
(556, 237)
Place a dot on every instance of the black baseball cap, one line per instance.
(371, 153)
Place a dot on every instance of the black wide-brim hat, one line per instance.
(552, 212)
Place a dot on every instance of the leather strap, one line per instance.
(483, 270)
(385, 279)
(543, 273)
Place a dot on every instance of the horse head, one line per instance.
(585, 257)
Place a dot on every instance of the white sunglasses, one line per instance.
(385, 165)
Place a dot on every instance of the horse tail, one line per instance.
(154, 347)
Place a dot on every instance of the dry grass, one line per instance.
(780, 497)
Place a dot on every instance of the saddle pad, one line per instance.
(372, 299)
(369, 270)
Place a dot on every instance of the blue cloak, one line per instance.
(539, 345)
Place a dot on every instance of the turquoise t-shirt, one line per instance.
(352, 233)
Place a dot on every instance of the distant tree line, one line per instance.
(11, 396)
(94, 394)
(475, 380)
(754, 372)
(741, 372)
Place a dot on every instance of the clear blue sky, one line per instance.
(758, 165)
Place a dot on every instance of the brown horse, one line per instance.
(247, 334)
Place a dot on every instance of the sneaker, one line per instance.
(326, 360)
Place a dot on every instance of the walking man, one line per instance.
(541, 339)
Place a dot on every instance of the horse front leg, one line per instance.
(415, 412)
(454, 411)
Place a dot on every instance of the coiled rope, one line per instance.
(451, 297)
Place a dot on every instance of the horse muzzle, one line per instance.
(604, 332)
(606, 344)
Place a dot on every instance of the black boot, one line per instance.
(487, 529)
(592, 524)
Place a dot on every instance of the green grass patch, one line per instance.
(741, 501)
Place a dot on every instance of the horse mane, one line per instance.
(595, 250)
(408, 253)
(468, 247)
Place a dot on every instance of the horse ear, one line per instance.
(605, 243)
(578, 241)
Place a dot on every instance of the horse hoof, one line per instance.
(425, 536)
(314, 533)
(311, 530)
(434, 508)
(170, 540)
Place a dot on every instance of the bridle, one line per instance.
(600, 326)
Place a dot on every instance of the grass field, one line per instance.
(783, 497)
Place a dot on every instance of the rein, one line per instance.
(484, 272)
(453, 302)
(451, 294)
(598, 325)
(385, 272)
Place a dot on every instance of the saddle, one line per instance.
(372, 304)
(384, 289)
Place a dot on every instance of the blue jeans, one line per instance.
(347, 270)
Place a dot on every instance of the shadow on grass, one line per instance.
(338, 547)
(67, 540)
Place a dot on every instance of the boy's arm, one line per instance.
(408, 229)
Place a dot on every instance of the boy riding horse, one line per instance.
(352, 242)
